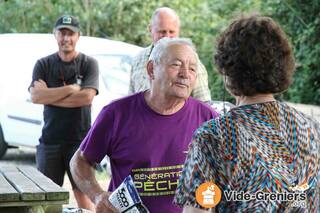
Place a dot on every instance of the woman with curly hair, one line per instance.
(262, 149)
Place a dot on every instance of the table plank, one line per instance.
(32, 203)
(8, 168)
(28, 190)
(52, 190)
(33, 192)
(7, 192)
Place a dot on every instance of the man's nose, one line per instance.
(183, 72)
(66, 37)
(172, 35)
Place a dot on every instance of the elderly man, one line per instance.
(146, 135)
(164, 23)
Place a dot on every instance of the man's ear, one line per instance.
(150, 69)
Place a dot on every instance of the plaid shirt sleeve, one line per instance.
(139, 79)
(201, 90)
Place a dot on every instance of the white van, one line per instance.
(21, 121)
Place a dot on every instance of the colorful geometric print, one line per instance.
(267, 148)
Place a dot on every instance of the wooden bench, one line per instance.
(23, 189)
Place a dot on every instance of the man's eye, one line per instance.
(193, 69)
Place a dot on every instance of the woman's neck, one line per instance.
(255, 99)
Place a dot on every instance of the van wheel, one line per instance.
(3, 144)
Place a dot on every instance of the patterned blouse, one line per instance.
(267, 148)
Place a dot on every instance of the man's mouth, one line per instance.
(183, 85)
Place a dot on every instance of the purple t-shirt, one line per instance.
(146, 145)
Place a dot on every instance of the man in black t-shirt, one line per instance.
(65, 83)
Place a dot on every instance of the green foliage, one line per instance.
(301, 22)
(201, 20)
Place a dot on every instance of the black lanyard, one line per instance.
(78, 76)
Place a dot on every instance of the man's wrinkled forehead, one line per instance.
(181, 52)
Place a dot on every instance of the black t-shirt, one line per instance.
(66, 125)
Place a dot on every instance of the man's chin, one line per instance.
(67, 50)
(183, 95)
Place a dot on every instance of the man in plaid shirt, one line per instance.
(164, 23)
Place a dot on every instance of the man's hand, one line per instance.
(40, 84)
(103, 205)
(75, 87)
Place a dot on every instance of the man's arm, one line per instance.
(84, 97)
(84, 175)
(41, 94)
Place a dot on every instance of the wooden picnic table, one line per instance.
(23, 189)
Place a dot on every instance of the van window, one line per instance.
(115, 72)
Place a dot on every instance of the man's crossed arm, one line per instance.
(68, 96)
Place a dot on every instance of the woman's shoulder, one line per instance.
(300, 117)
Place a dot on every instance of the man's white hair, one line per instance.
(161, 47)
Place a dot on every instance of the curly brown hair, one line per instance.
(254, 55)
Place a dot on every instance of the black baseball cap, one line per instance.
(69, 22)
